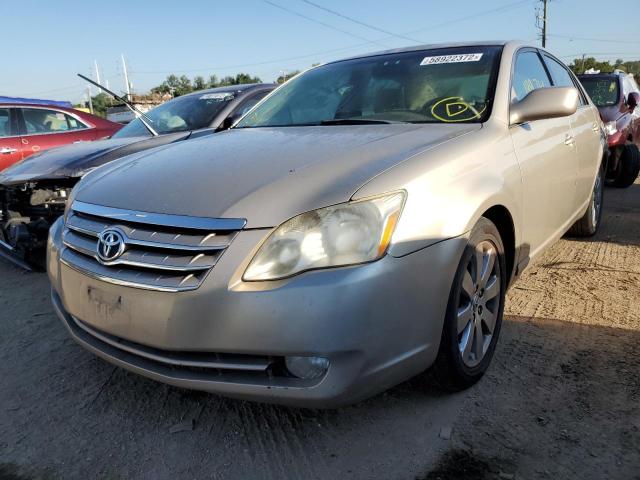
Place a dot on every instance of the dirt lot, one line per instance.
(562, 399)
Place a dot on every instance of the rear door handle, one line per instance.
(6, 150)
(569, 140)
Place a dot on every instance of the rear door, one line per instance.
(44, 128)
(547, 156)
(10, 148)
(586, 131)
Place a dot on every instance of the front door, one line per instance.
(546, 152)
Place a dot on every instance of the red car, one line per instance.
(617, 97)
(29, 128)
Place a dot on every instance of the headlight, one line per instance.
(345, 234)
(610, 128)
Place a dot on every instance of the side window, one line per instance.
(249, 103)
(74, 123)
(561, 76)
(40, 120)
(5, 123)
(528, 75)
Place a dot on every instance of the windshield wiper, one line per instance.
(356, 121)
(139, 114)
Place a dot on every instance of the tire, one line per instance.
(588, 225)
(474, 311)
(629, 167)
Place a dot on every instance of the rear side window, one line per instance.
(561, 76)
(40, 120)
(5, 123)
(528, 75)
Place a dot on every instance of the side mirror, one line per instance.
(550, 102)
(633, 100)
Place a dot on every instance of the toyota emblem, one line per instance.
(110, 245)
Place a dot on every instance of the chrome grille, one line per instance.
(163, 252)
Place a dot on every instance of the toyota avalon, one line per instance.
(358, 226)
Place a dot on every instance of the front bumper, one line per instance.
(378, 324)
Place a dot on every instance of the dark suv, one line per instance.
(617, 97)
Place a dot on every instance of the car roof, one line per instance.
(233, 88)
(604, 74)
(39, 105)
(433, 46)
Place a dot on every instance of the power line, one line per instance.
(255, 64)
(359, 22)
(602, 54)
(320, 22)
(501, 9)
(587, 39)
(56, 90)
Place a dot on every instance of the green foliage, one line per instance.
(579, 65)
(100, 102)
(286, 76)
(174, 85)
(177, 86)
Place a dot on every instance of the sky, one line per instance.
(47, 42)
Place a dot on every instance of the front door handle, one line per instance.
(7, 150)
(569, 140)
(596, 128)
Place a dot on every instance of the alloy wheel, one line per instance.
(478, 303)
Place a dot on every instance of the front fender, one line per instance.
(449, 188)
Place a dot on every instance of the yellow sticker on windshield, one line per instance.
(455, 109)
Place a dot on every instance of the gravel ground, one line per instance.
(561, 400)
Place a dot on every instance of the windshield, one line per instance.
(451, 85)
(190, 112)
(603, 91)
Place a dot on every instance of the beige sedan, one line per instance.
(361, 224)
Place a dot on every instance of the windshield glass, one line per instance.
(190, 112)
(449, 85)
(603, 91)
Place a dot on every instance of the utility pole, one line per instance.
(126, 78)
(90, 101)
(95, 63)
(544, 24)
(582, 66)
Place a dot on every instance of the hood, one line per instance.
(73, 160)
(264, 175)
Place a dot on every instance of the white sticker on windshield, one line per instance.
(465, 57)
(216, 96)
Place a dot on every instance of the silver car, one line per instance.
(361, 224)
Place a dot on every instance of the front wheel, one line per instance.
(474, 312)
(588, 225)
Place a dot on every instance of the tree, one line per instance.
(199, 83)
(286, 76)
(100, 103)
(239, 79)
(177, 86)
(580, 65)
(174, 85)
